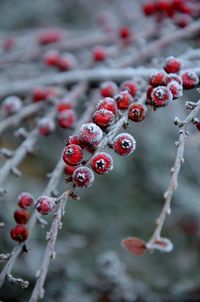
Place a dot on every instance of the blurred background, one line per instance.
(91, 264)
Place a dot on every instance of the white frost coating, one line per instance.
(46, 122)
(11, 104)
(175, 88)
(90, 133)
(83, 177)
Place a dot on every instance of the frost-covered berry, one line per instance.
(11, 105)
(99, 54)
(108, 89)
(130, 86)
(103, 118)
(66, 118)
(124, 144)
(172, 65)
(21, 216)
(83, 177)
(125, 33)
(108, 104)
(39, 94)
(51, 57)
(64, 104)
(137, 112)
(66, 62)
(73, 139)
(45, 205)
(19, 233)
(90, 134)
(176, 89)
(50, 36)
(69, 170)
(45, 126)
(161, 96)
(25, 200)
(102, 163)
(157, 79)
(72, 155)
(190, 79)
(123, 100)
(172, 77)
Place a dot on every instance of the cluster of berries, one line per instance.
(168, 85)
(91, 134)
(62, 62)
(181, 11)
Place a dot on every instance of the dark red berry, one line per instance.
(45, 205)
(90, 134)
(25, 200)
(51, 57)
(148, 95)
(99, 54)
(190, 79)
(21, 216)
(108, 104)
(137, 112)
(50, 36)
(72, 155)
(108, 89)
(125, 33)
(149, 8)
(66, 118)
(103, 118)
(39, 94)
(19, 233)
(70, 169)
(102, 163)
(123, 100)
(172, 65)
(124, 144)
(130, 86)
(198, 126)
(83, 177)
(161, 96)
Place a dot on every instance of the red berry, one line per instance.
(11, 105)
(69, 169)
(25, 200)
(123, 100)
(50, 36)
(102, 163)
(124, 144)
(99, 54)
(173, 77)
(157, 79)
(39, 94)
(45, 205)
(90, 134)
(190, 79)
(83, 177)
(125, 33)
(51, 57)
(108, 89)
(73, 139)
(149, 8)
(21, 216)
(130, 86)
(137, 112)
(45, 126)
(66, 62)
(64, 104)
(198, 126)
(148, 95)
(73, 155)
(19, 233)
(103, 118)
(165, 6)
(108, 104)
(176, 89)
(172, 65)
(66, 118)
(161, 96)
(182, 20)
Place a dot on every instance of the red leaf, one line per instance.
(134, 245)
(161, 244)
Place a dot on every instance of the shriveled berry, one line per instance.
(51, 57)
(172, 77)
(137, 112)
(108, 89)
(66, 62)
(19, 233)
(66, 118)
(11, 105)
(161, 96)
(25, 200)
(108, 104)
(45, 126)
(190, 79)
(123, 100)
(21, 216)
(124, 144)
(49, 36)
(90, 134)
(102, 163)
(157, 79)
(172, 65)
(72, 155)
(176, 89)
(103, 118)
(83, 177)
(99, 54)
(45, 205)
(130, 86)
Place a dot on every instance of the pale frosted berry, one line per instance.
(149, 8)
(161, 96)
(124, 144)
(123, 100)
(83, 177)
(19, 233)
(66, 62)
(103, 118)
(130, 86)
(176, 89)
(66, 118)
(157, 79)
(25, 200)
(45, 126)
(72, 155)
(73, 139)
(148, 95)
(172, 77)
(45, 205)
(190, 79)
(90, 134)
(99, 54)
(50, 36)
(172, 65)
(11, 105)
(64, 104)
(108, 89)
(102, 163)
(21, 216)
(108, 104)
(51, 57)
(137, 112)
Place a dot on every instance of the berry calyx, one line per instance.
(45, 205)
(19, 233)
(108, 104)
(21, 216)
(124, 144)
(102, 163)
(108, 89)
(83, 177)
(137, 112)
(73, 155)
(161, 96)
(172, 65)
(123, 100)
(90, 134)
(103, 118)
(130, 86)
(25, 200)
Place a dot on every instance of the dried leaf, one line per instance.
(134, 245)
(162, 244)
